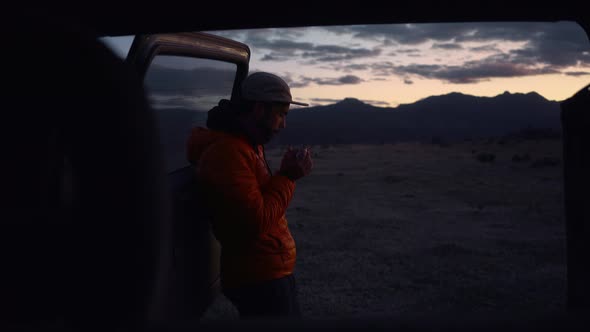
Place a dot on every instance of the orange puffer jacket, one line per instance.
(247, 206)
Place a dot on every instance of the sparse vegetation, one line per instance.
(546, 162)
(393, 179)
(486, 157)
(537, 134)
(517, 158)
(410, 230)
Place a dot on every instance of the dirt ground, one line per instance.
(406, 228)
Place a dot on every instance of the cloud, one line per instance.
(375, 102)
(485, 48)
(384, 68)
(329, 53)
(447, 46)
(473, 71)
(352, 67)
(349, 79)
(408, 81)
(294, 83)
(325, 100)
(413, 34)
(343, 80)
(274, 57)
(577, 73)
(173, 102)
(283, 46)
(306, 81)
(300, 84)
(321, 53)
(408, 51)
(405, 34)
(558, 44)
(561, 46)
(543, 48)
(198, 82)
(247, 36)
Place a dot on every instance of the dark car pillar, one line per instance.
(575, 116)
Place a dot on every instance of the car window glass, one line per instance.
(182, 90)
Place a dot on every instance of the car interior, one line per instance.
(98, 233)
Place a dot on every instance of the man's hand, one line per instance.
(296, 163)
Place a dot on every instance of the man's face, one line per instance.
(272, 119)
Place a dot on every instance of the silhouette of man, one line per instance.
(247, 202)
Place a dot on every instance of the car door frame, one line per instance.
(189, 278)
(190, 44)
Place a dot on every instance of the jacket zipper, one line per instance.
(266, 162)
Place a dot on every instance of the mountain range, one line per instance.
(449, 117)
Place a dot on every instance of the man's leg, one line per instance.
(270, 299)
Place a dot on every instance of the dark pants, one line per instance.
(269, 299)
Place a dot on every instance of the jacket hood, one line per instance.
(199, 140)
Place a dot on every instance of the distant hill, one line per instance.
(450, 117)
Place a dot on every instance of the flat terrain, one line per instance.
(412, 228)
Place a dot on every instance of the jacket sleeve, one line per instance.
(233, 190)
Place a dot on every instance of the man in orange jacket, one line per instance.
(246, 201)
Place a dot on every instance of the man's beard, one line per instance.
(265, 132)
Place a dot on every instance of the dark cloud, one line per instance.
(485, 48)
(377, 68)
(384, 68)
(274, 57)
(408, 50)
(447, 46)
(546, 47)
(472, 72)
(281, 45)
(352, 67)
(182, 102)
(306, 81)
(409, 34)
(300, 84)
(344, 80)
(254, 35)
(413, 34)
(562, 46)
(286, 49)
(329, 53)
(325, 100)
(408, 81)
(375, 102)
(558, 44)
(198, 82)
(293, 83)
(231, 34)
(349, 79)
(577, 73)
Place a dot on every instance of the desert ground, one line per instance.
(406, 228)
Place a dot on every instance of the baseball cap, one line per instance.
(262, 86)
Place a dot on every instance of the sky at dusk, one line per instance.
(388, 65)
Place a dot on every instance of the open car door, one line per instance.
(185, 75)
